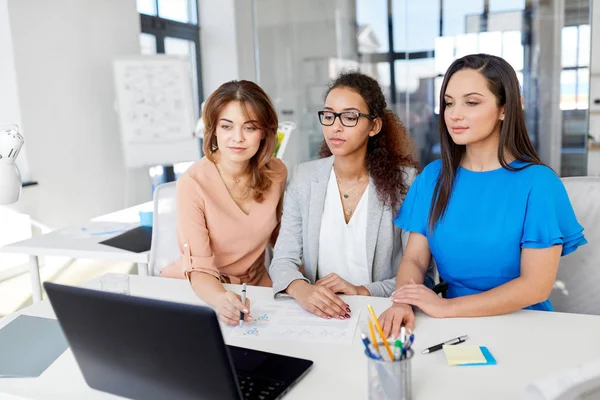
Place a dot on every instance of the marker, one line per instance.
(403, 335)
(243, 302)
(437, 347)
(397, 349)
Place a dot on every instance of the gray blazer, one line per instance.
(298, 239)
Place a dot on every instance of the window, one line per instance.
(455, 14)
(506, 5)
(171, 27)
(179, 10)
(371, 18)
(419, 31)
(575, 74)
(147, 43)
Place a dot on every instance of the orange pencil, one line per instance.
(373, 337)
(385, 342)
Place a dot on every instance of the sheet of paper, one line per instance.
(97, 229)
(463, 354)
(286, 320)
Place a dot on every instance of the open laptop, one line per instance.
(150, 349)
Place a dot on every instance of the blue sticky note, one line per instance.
(489, 358)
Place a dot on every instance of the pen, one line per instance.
(243, 302)
(409, 342)
(374, 354)
(437, 347)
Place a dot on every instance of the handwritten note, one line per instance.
(286, 320)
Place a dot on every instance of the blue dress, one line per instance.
(490, 217)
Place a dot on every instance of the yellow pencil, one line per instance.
(385, 342)
(373, 337)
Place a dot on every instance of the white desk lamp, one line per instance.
(11, 142)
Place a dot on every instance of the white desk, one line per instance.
(528, 345)
(82, 241)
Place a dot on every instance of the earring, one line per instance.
(502, 118)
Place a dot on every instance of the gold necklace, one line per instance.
(236, 180)
(346, 195)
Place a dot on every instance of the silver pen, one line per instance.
(437, 347)
(244, 303)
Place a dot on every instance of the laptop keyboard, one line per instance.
(254, 388)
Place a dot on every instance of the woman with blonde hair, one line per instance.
(229, 202)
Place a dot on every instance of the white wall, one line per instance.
(9, 104)
(63, 53)
(218, 43)
(226, 42)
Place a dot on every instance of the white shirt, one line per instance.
(343, 247)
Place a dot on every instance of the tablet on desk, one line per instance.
(137, 240)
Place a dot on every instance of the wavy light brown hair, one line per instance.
(387, 151)
(256, 105)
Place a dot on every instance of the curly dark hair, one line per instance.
(390, 149)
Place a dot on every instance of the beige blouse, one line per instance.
(215, 236)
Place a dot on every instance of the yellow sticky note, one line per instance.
(462, 354)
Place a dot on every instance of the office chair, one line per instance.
(576, 287)
(164, 250)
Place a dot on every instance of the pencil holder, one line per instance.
(390, 380)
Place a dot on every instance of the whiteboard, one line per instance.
(156, 110)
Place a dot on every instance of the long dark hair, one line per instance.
(386, 151)
(503, 83)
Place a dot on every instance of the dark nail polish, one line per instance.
(347, 316)
(348, 309)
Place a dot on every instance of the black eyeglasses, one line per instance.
(349, 118)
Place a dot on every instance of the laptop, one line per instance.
(150, 349)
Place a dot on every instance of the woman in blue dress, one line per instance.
(495, 219)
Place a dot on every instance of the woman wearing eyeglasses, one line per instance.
(338, 211)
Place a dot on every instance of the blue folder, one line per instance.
(29, 345)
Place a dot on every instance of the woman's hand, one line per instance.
(395, 317)
(422, 297)
(336, 284)
(319, 300)
(230, 306)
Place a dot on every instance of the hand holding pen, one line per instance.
(230, 308)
